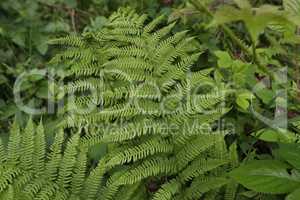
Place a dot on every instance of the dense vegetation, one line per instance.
(156, 99)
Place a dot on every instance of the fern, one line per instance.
(147, 104)
(62, 173)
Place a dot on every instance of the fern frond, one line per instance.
(144, 77)
(148, 148)
(200, 167)
(168, 190)
(128, 192)
(194, 148)
(55, 156)
(79, 172)
(68, 162)
(94, 181)
(8, 177)
(150, 167)
(153, 24)
(70, 40)
(14, 143)
(27, 146)
(2, 153)
(202, 185)
(40, 150)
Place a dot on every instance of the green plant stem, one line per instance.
(199, 6)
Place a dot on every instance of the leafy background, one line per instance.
(26, 26)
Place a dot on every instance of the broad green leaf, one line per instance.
(267, 176)
(265, 94)
(224, 59)
(294, 195)
(290, 153)
(18, 38)
(270, 135)
(243, 98)
(227, 14)
(255, 19)
(242, 102)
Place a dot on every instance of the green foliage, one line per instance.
(279, 176)
(256, 19)
(61, 173)
(148, 108)
(266, 176)
(25, 29)
(146, 57)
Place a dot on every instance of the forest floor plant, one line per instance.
(203, 105)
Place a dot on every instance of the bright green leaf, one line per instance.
(270, 135)
(224, 59)
(242, 102)
(267, 176)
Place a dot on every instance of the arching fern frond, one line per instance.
(151, 106)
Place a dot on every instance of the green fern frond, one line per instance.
(2, 153)
(153, 24)
(128, 192)
(79, 173)
(194, 148)
(150, 167)
(201, 185)
(8, 177)
(27, 146)
(148, 148)
(94, 180)
(168, 190)
(70, 40)
(68, 162)
(14, 144)
(143, 83)
(40, 150)
(200, 167)
(55, 156)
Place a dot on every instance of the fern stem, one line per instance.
(199, 6)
